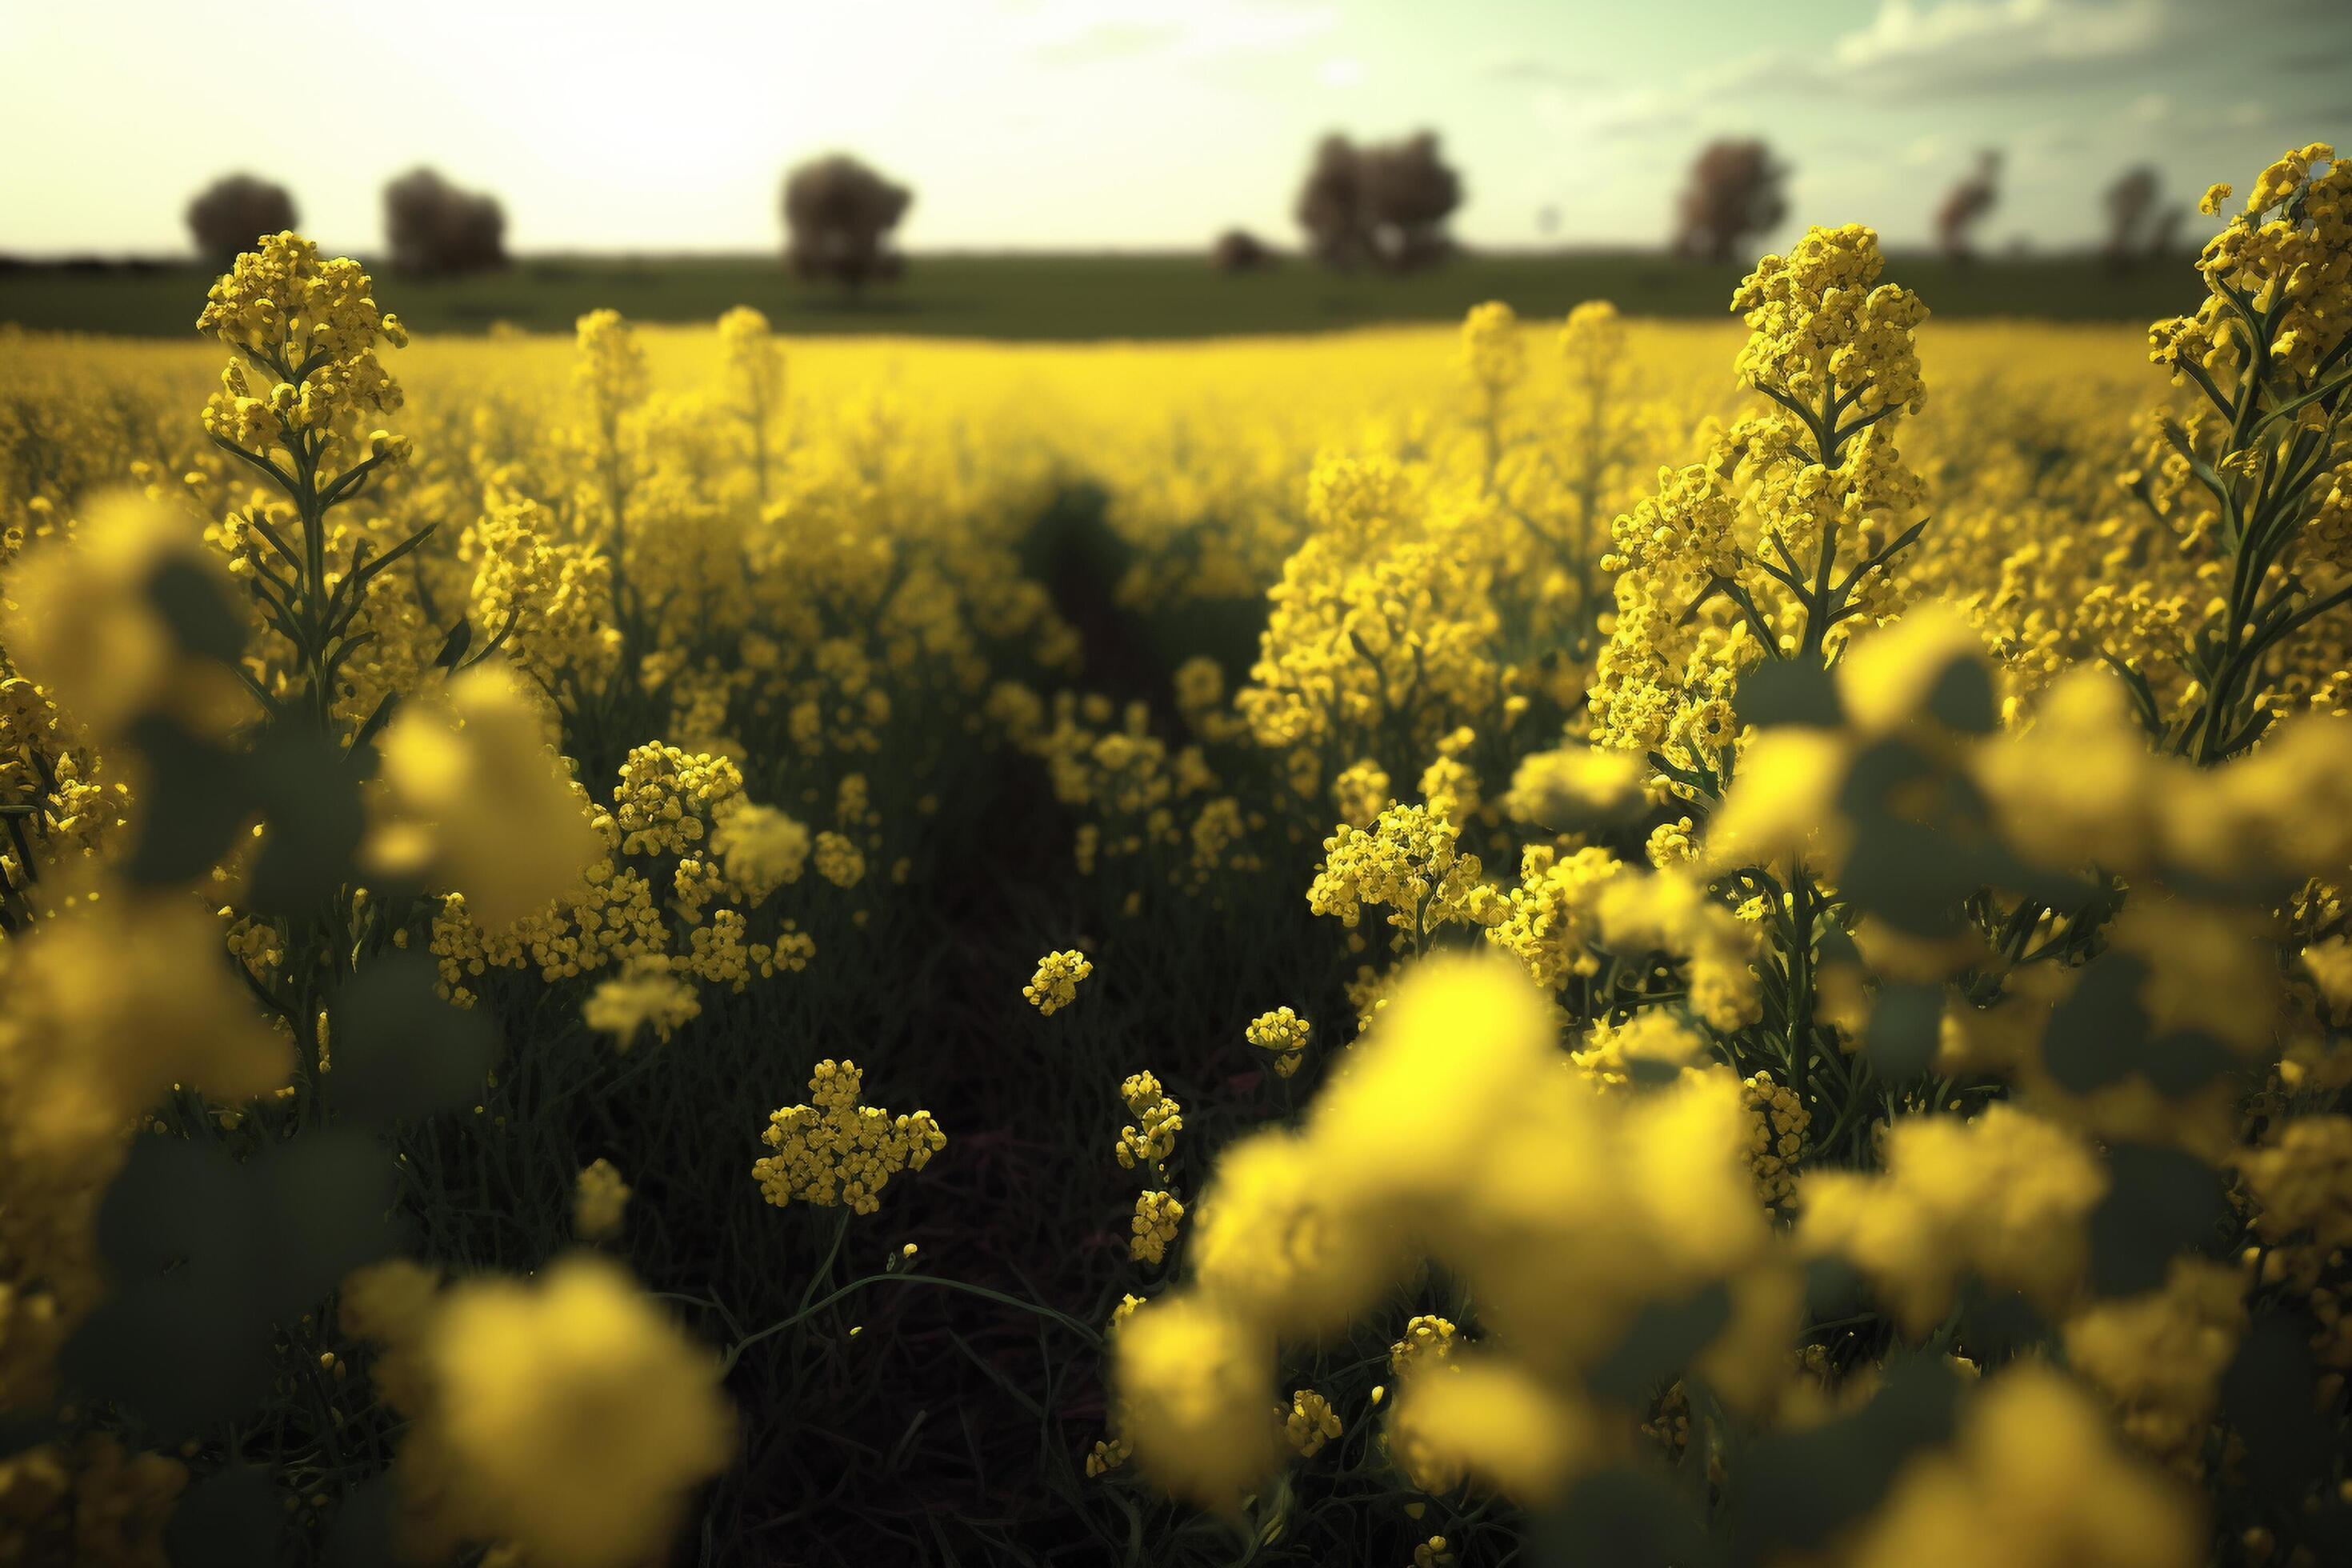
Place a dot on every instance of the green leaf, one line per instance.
(1909, 876)
(1907, 1024)
(327, 1208)
(1834, 1290)
(2180, 1062)
(175, 1357)
(453, 646)
(1787, 691)
(2160, 1203)
(231, 1518)
(363, 1533)
(177, 1206)
(25, 1429)
(2096, 1033)
(1876, 772)
(1624, 1518)
(1798, 1490)
(399, 1050)
(310, 798)
(2270, 1395)
(1664, 1337)
(200, 801)
(1963, 698)
(203, 620)
(1997, 1325)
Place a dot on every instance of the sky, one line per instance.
(665, 125)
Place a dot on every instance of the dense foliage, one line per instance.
(1598, 943)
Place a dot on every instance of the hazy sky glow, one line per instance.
(1056, 124)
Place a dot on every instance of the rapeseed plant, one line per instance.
(1846, 1061)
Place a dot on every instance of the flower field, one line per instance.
(1558, 942)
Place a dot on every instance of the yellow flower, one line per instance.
(762, 850)
(1056, 984)
(475, 797)
(833, 1150)
(599, 1199)
(85, 620)
(2034, 1482)
(1282, 1033)
(1157, 1216)
(1309, 1422)
(1197, 1386)
(648, 994)
(110, 1004)
(1481, 1419)
(1155, 1139)
(578, 1419)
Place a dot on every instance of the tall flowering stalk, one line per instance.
(291, 407)
(2264, 461)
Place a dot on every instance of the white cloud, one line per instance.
(1513, 64)
(1340, 71)
(1167, 29)
(1915, 51)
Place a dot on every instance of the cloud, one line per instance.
(1914, 52)
(1340, 71)
(1978, 46)
(1109, 39)
(1163, 30)
(1509, 66)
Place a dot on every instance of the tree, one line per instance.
(1734, 196)
(1384, 204)
(1965, 207)
(1331, 205)
(1239, 250)
(838, 215)
(2137, 228)
(432, 225)
(233, 212)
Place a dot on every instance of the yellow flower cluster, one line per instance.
(1283, 1035)
(2288, 256)
(1423, 1145)
(1153, 1141)
(1309, 1422)
(565, 1416)
(1409, 861)
(1870, 901)
(2161, 1356)
(2034, 1479)
(313, 328)
(668, 798)
(2303, 1182)
(834, 1151)
(1157, 1216)
(599, 1200)
(1777, 1143)
(2005, 1197)
(1056, 984)
(550, 599)
(646, 995)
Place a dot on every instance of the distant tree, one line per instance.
(1239, 250)
(1331, 205)
(2138, 226)
(1734, 196)
(1384, 204)
(1965, 205)
(1410, 191)
(227, 216)
(433, 227)
(838, 215)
